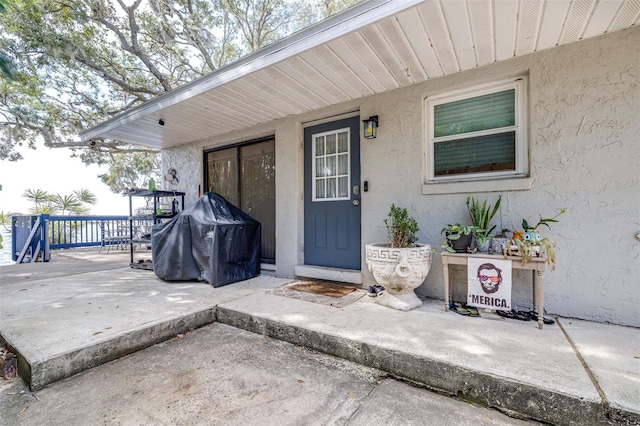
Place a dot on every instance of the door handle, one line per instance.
(356, 202)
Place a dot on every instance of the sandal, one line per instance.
(507, 314)
(458, 308)
(515, 314)
(545, 320)
(473, 311)
(375, 290)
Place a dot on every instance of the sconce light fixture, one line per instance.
(161, 122)
(370, 126)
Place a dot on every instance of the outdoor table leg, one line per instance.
(540, 296)
(445, 271)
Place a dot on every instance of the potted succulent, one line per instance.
(401, 264)
(481, 215)
(500, 240)
(460, 239)
(528, 242)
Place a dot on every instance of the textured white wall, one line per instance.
(584, 122)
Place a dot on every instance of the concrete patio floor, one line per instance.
(84, 309)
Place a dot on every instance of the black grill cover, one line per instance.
(211, 240)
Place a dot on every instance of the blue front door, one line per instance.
(332, 194)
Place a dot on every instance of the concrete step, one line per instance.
(467, 380)
(39, 369)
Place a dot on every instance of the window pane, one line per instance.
(485, 112)
(331, 188)
(343, 164)
(320, 193)
(331, 144)
(476, 155)
(330, 167)
(319, 167)
(343, 142)
(343, 187)
(319, 146)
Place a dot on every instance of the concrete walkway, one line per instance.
(85, 309)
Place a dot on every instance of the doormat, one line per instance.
(322, 288)
(322, 292)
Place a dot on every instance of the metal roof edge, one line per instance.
(349, 20)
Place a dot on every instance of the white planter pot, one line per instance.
(400, 271)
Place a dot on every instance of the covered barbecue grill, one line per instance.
(212, 240)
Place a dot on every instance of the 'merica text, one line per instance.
(488, 301)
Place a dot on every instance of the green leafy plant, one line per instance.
(401, 228)
(455, 232)
(545, 222)
(529, 243)
(481, 215)
(543, 247)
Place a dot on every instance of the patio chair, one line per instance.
(111, 237)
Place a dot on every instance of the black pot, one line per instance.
(464, 244)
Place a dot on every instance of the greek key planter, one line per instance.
(400, 271)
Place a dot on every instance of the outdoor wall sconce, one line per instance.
(370, 126)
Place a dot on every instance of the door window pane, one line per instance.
(319, 146)
(343, 142)
(331, 188)
(319, 167)
(331, 144)
(320, 192)
(343, 164)
(343, 187)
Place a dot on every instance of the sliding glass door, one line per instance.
(245, 175)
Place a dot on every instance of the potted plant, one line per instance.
(459, 239)
(500, 240)
(528, 242)
(401, 264)
(481, 215)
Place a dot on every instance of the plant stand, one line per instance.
(400, 271)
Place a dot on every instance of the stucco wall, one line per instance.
(584, 130)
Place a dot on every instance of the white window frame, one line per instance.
(313, 163)
(520, 129)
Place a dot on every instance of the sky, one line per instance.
(54, 171)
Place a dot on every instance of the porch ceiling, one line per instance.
(377, 46)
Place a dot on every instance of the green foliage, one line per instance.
(6, 67)
(5, 219)
(545, 221)
(73, 204)
(527, 251)
(79, 63)
(401, 228)
(481, 215)
(524, 248)
(453, 233)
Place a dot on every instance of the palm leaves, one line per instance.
(72, 204)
